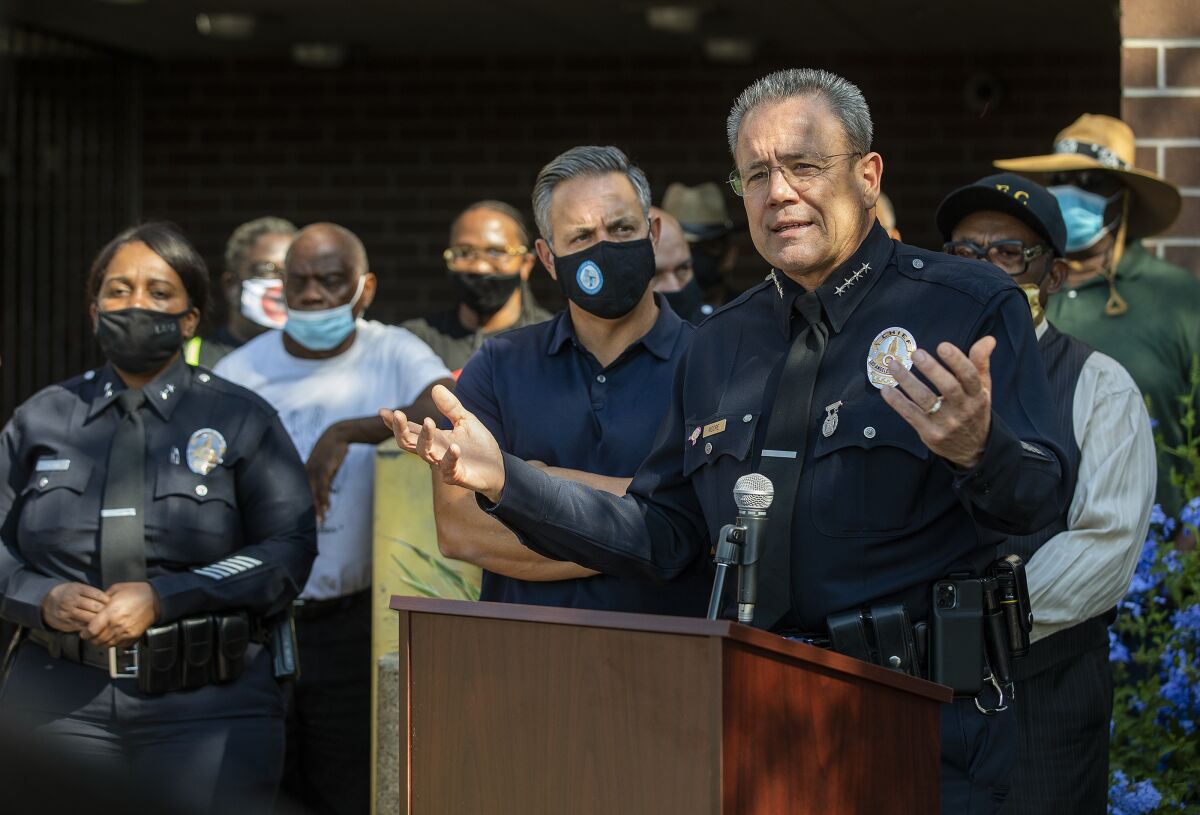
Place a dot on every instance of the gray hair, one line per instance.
(842, 96)
(243, 238)
(580, 162)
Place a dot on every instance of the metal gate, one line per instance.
(70, 140)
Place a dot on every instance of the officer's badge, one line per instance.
(205, 450)
(891, 343)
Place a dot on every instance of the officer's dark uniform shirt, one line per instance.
(546, 398)
(876, 514)
(241, 537)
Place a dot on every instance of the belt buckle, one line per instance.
(123, 662)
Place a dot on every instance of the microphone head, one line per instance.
(753, 491)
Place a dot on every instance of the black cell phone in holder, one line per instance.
(956, 635)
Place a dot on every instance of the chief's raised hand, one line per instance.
(954, 424)
(465, 456)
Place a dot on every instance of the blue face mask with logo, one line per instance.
(1083, 213)
(325, 329)
(608, 278)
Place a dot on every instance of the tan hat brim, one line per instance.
(1156, 201)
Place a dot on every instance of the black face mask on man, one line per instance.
(687, 301)
(139, 340)
(483, 293)
(707, 268)
(608, 278)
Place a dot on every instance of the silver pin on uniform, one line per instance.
(831, 419)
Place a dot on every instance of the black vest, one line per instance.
(1063, 357)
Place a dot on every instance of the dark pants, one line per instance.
(1062, 758)
(328, 767)
(978, 753)
(82, 735)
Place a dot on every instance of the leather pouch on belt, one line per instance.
(233, 636)
(158, 659)
(196, 634)
(848, 634)
(894, 639)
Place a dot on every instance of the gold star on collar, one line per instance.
(852, 279)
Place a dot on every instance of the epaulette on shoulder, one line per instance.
(739, 300)
(204, 378)
(975, 278)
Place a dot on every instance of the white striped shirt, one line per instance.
(1085, 570)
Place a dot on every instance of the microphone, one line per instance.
(753, 494)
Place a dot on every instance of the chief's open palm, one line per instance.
(466, 456)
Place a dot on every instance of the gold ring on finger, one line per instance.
(935, 407)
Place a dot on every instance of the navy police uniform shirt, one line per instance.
(242, 536)
(877, 515)
(546, 398)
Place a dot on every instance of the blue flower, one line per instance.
(1190, 514)
(1117, 651)
(1132, 799)
(1144, 577)
(1159, 518)
(1187, 619)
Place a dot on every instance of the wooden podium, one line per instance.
(548, 711)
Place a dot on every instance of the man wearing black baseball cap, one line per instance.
(1080, 565)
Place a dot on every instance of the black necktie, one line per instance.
(783, 458)
(122, 522)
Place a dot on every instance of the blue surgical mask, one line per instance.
(1083, 213)
(325, 329)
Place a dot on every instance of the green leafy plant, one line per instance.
(1154, 647)
(447, 584)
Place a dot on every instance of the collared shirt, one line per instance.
(877, 515)
(546, 398)
(1156, 340)
(1083, 571)
(455, 343)
(242, 536)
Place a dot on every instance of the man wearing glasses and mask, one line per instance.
(488, 263)
(253, 288)
(1079, 566)
(1119, 298)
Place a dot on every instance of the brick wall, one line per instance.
(394, 149)
(1160, 99)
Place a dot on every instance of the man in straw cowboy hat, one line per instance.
(1119, 298)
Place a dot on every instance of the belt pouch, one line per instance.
(894, 638)
(158, 659)
(196, 635)
(233, 635)
(284, 650)
(848, 634)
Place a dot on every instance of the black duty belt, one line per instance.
(315, 609)
(188, 653)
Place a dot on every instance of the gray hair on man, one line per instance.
(843, 97)
(244, 236)
(581, 162)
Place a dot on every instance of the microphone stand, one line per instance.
(729, 553)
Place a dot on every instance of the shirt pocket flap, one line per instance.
(869, 424)
(71, 473)
(729, 435)
(176, 480)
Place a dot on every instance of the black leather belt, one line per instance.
(119, 663)
(314, 609)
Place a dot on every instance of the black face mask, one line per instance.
(608, 278)
(686, 302)
(484, 294)
(139, 340)
(706, 267)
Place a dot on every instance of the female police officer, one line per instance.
(155, 521)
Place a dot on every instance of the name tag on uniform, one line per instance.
(714, 428)
(52, 465)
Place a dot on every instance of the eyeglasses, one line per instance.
(266, 268)
(1013, 256)
(799, 174)
(457, 257)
